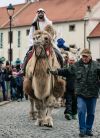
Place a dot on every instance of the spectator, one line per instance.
(8, 74)
(13, 84)
(2, 81)
(71, 102)
(19, 83)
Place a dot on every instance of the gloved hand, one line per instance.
(54, 72)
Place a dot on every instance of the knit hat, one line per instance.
(60, 42)
(86, 52)
(2, 59)
(18, 61)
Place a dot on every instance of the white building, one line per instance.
(94, 42)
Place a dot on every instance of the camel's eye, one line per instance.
(46, 38)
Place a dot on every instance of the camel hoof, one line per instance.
(48, 122)
(48, 125)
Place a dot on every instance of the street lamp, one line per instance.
(10, 11)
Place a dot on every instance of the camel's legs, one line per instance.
(33, 112)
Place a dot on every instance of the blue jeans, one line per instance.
(86, 112)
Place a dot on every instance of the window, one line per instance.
(27, 32)
(1, 40)
(72, 27)
(10, 37)
(19, 35)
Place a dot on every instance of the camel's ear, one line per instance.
(50, 30)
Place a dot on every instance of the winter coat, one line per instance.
(86, 78)
(19, 81)
(2, 75)
(8, 74)
(70, 80)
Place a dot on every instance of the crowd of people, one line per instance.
(11, 81)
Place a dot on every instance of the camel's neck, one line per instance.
(41, 66)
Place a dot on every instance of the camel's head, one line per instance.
(42, 43)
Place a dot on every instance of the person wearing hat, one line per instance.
(39, 22)
(64, 48)
(61, 45)
(2, 81)
(87, 74)
(19, 80)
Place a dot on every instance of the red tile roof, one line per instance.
(95, 32)
(56, 10)
(4, 15)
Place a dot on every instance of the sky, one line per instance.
(4, 3)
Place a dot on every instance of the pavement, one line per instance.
(16, 123)
(4, 102)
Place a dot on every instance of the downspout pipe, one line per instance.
(85, 33)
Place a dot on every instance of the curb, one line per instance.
(4, 102)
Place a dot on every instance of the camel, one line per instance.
(42, 87)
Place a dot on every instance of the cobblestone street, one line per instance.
(15, 123)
